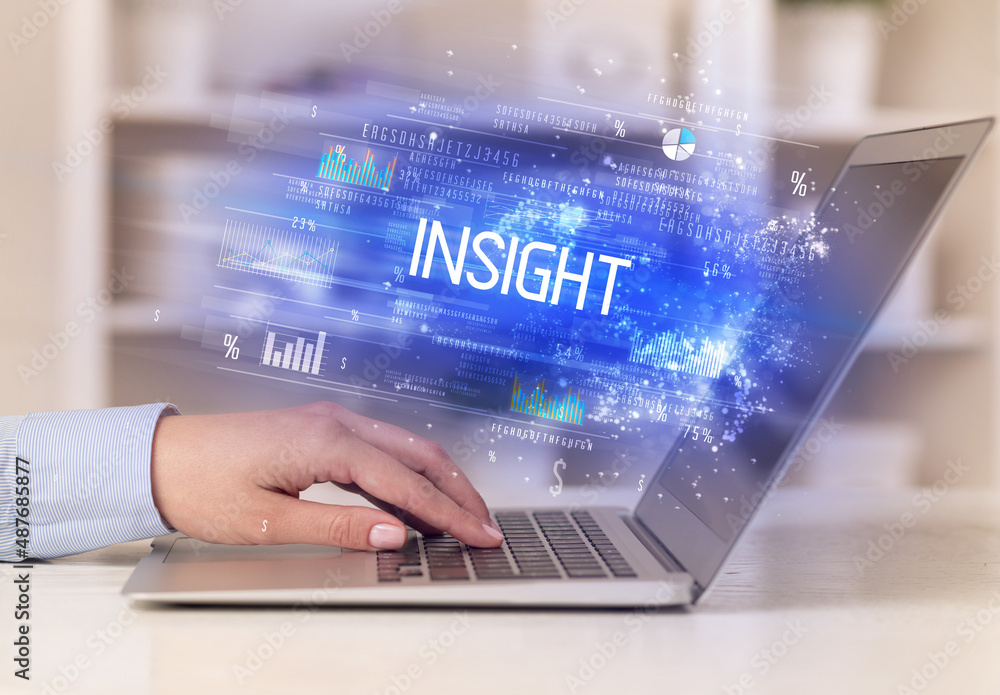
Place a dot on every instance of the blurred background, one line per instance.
(116, 110)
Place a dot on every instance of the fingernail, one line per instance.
(387, 537)
(494, 524)
(495, 534)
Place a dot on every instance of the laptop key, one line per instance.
(554, 549)
(585, 573)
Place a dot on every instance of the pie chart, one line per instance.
(678, 144)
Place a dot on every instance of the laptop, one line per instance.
(718, 405)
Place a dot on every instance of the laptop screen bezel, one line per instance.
(679, 530)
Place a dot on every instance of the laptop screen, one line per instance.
(799, 337)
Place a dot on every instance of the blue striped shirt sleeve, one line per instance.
(88, 480)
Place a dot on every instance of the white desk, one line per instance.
(793, 588)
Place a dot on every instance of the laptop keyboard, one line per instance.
(538, 545)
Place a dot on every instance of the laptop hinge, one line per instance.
(657, 549)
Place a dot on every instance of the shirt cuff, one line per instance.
(88, 474)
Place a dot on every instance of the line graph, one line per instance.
(260, 250)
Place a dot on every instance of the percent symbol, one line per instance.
(232, 352)
(620, 128)
(493, 457)
(799, 179)
(398, 270)
(354, 315)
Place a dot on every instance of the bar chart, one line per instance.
(293, 349)
(335, 165)
(677, 352)
(568, 409)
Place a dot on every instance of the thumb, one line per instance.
(292, 520)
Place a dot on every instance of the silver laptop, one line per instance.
(695, 368)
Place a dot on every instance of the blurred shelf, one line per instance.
(171, 111)
(862, 454)
(151, 317)
(956, 335)
(878, 120)
(194, 230)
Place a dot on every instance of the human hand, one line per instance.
(201, 463)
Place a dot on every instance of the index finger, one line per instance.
(386, 478)
(422, 456)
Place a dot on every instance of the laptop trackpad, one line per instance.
(192, 550)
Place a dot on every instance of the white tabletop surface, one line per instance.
(793, 613)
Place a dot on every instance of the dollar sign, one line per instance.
(264, 527)
(554, 490)
(157, 317)
(739, 127)
(343, 363)
(640, 484)
(314, 112)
